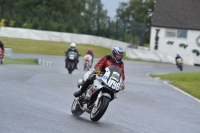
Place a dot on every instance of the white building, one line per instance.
(176, 28)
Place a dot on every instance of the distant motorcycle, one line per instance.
(1, 56)
(1, 59)
(87, 62)
(70, 61)
(180, 64)
(98, 95)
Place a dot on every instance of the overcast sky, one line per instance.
(111, 6)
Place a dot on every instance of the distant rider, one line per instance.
(2, 46)
(73, 48)
(90, 52)
(1, 50)
(178, 57)
(115, 58)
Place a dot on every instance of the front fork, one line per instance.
(99, 96)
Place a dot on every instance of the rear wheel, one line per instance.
(98, 112)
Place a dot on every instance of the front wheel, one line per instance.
(75, 108)
(1, 60)
(98, 112)
(70, 67)
(88, 66)
(180, 67)
(85, 64)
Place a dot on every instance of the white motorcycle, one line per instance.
(87, 62)
(98, 95)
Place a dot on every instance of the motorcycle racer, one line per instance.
(115, 58)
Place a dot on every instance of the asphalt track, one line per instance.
(37, 99)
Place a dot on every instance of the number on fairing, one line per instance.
(113, 84)
(71, 56)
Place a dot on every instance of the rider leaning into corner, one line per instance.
(115, 58)
(73, 48)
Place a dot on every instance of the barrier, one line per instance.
(8, 52)
(60, 37)
(157, 56)
(143, 54)
(44, 63)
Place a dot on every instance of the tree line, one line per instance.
(79, 16)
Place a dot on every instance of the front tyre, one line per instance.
(70, 67)
(98, 112)
(181, 67)
(75, 108)
(88, 66)
(85, 66)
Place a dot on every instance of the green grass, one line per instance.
(49, 47)
(20, 61)
(188, 82)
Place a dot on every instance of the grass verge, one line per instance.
(20, 61)
(188, 82)
(49, 47)
(28, 46)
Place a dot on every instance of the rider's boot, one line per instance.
(83, 89)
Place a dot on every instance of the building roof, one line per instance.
(180, 14)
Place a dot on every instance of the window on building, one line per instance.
(182, 33)
(170, 33)
(179, 33)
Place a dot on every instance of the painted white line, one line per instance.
(148, 74)
(167, 83)
(176, 88)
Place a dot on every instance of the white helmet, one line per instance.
(73, 46)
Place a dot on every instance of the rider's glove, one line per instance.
(97, 71)
(123, 86)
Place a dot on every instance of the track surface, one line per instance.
(37, 99)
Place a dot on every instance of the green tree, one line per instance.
(136, 11)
